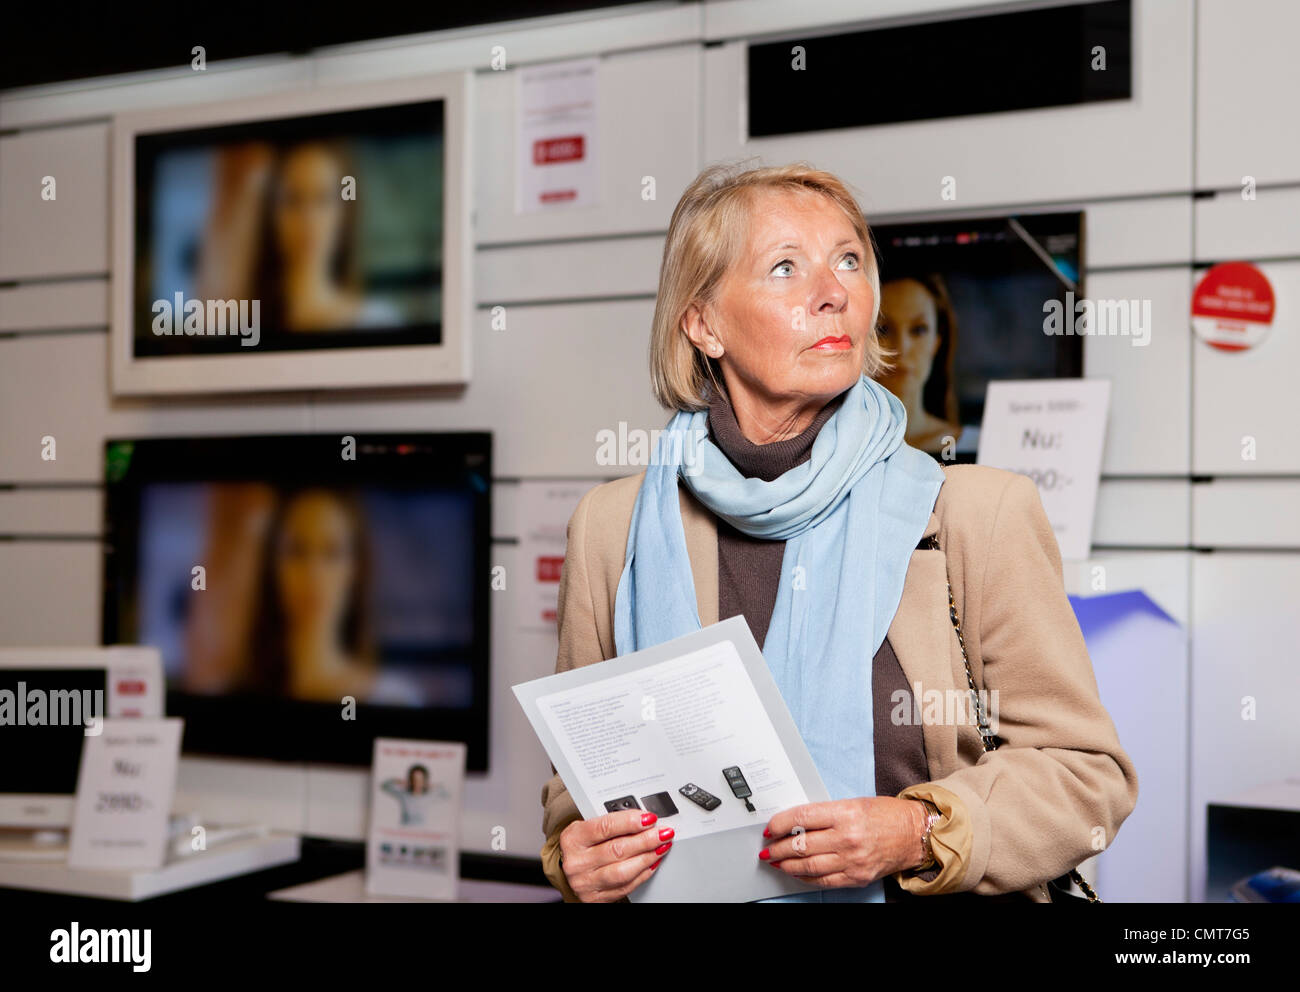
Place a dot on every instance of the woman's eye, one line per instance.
(853, 255)
(783, 264)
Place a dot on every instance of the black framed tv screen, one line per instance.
(953, 66)
(307, 593)
(965, 302)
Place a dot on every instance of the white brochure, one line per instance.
(654, 728)
(124, 795)
(1052, 430)
(417, 790)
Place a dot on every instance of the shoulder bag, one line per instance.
(1057, 888)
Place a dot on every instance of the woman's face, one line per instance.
(308, 206)
(315, 561)
(909, 328)
(419, 783)
(801, 278)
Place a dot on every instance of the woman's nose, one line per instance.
(829, 292)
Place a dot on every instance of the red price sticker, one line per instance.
(1233, 306)
(548, 568)
(570, 148)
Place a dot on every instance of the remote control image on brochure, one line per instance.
(660, 804)
(738, 785)
(699, 797)
(626, 802)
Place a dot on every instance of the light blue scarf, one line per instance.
(850, 515)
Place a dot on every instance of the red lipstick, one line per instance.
(841, 343)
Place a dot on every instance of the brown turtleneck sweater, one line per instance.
(749, 572)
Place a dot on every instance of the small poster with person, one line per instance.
(417, 791)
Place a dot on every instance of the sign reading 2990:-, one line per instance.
(124, 795)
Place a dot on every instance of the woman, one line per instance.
(919, 328)
(764, 334)
(309, 278)
(282, 232)
(414, 796)
(312, 638)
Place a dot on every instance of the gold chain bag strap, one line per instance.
(986, 734)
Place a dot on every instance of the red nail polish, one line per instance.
(663, 848)
(764, 854)
(767, 832)
(655, 865)
(666, 833)
(647, 819)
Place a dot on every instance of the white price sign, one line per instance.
(124, 795)
(1051, 430)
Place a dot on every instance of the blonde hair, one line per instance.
(705, 238)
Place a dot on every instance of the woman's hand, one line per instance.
(606, 858)
(848, 842)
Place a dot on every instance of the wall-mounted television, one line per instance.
(307, 593)
(964, 302)
(315, 239)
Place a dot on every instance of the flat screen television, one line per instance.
(302, 240)
(307, 593)
(962, 303)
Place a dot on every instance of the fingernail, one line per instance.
(655, 865)
(767, 832)
(666, 833)
(647, 819)
(663, 848)
(764, 854)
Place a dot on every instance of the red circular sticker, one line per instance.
(1232, 306)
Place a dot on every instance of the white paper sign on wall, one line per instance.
(556, 136)
(1053, 431)
(543, 509)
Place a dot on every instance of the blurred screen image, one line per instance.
(326, 231)
(307, 593)
(961, 304)
(311, 593)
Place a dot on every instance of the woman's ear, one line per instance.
(697, 330)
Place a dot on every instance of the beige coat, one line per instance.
(1016, 817)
